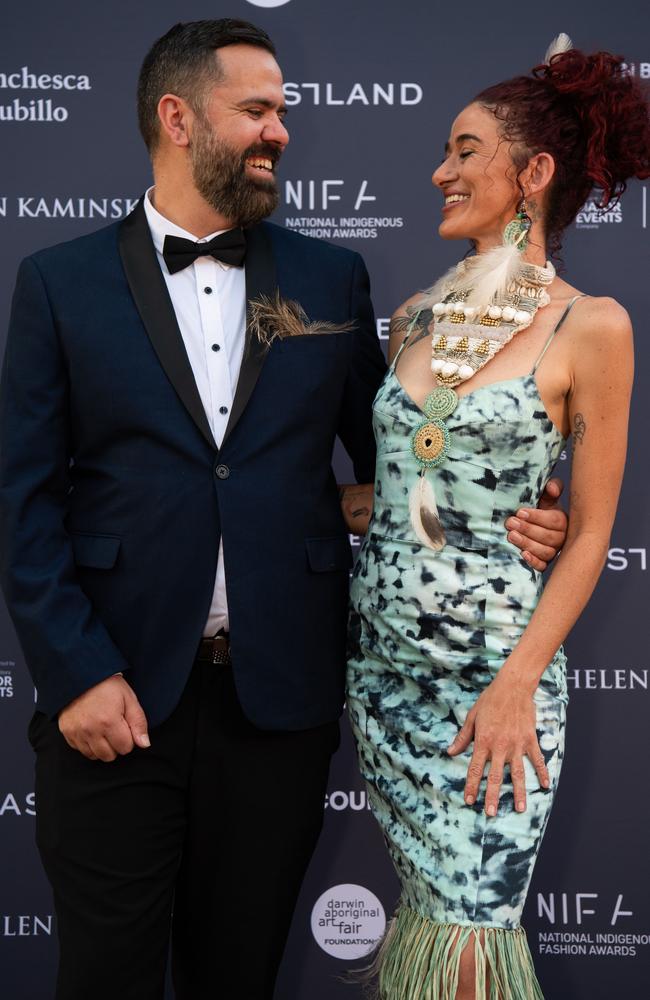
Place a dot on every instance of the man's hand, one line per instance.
(105, 721)
(356, 505)
(540, 532)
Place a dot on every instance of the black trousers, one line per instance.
(205, 836)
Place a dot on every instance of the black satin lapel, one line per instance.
(152, 300)
(261, 279)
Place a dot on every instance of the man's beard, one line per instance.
(219, 174)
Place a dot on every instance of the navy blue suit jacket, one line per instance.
(113, 495)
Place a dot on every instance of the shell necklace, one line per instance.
(475, 313)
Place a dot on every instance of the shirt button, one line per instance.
(222, 471)
(223, 409)
(207, 290)
(216, 347)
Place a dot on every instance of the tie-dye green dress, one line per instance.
(429, 630)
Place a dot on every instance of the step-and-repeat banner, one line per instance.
(372, 87)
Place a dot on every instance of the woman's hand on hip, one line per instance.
(502, 726)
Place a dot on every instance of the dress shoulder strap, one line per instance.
(555, 330)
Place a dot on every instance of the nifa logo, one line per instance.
(567, 908)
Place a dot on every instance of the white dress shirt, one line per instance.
(209, 299)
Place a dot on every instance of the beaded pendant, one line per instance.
(430, 441)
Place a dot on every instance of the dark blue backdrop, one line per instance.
(372, 87)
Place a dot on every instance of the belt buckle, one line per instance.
(221, 655)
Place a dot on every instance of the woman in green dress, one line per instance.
(457, 681)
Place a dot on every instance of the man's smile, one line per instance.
(260, 163)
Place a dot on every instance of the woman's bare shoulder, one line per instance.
(602, 322)
(410, 307)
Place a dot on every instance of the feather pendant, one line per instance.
(488, 276)
(562, 43)
(424, 514)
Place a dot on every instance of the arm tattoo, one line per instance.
(579, 428)
(399, 324)
(421, 321)
(411, 327)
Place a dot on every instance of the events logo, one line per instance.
(348, 921)
(360, 221)
(7, 678)
(592, 216)
(38, 109)
(587, 923)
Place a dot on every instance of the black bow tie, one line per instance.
(228, 247)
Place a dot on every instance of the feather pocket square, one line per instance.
(270, 319)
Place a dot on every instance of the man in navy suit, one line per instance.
(174, 554)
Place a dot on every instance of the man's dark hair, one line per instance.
(184, 62)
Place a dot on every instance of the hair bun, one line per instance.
(613, 111)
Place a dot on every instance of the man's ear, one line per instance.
(174, 115)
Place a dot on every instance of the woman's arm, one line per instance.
(502, 722)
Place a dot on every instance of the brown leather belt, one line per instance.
(215, 649)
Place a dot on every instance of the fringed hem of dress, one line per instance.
(419, 959)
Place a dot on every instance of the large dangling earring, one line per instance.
(516, 232)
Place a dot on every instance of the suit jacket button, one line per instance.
(222, 471)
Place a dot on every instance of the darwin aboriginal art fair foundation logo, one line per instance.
(348, 921)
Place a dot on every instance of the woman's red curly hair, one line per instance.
(590, 114)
